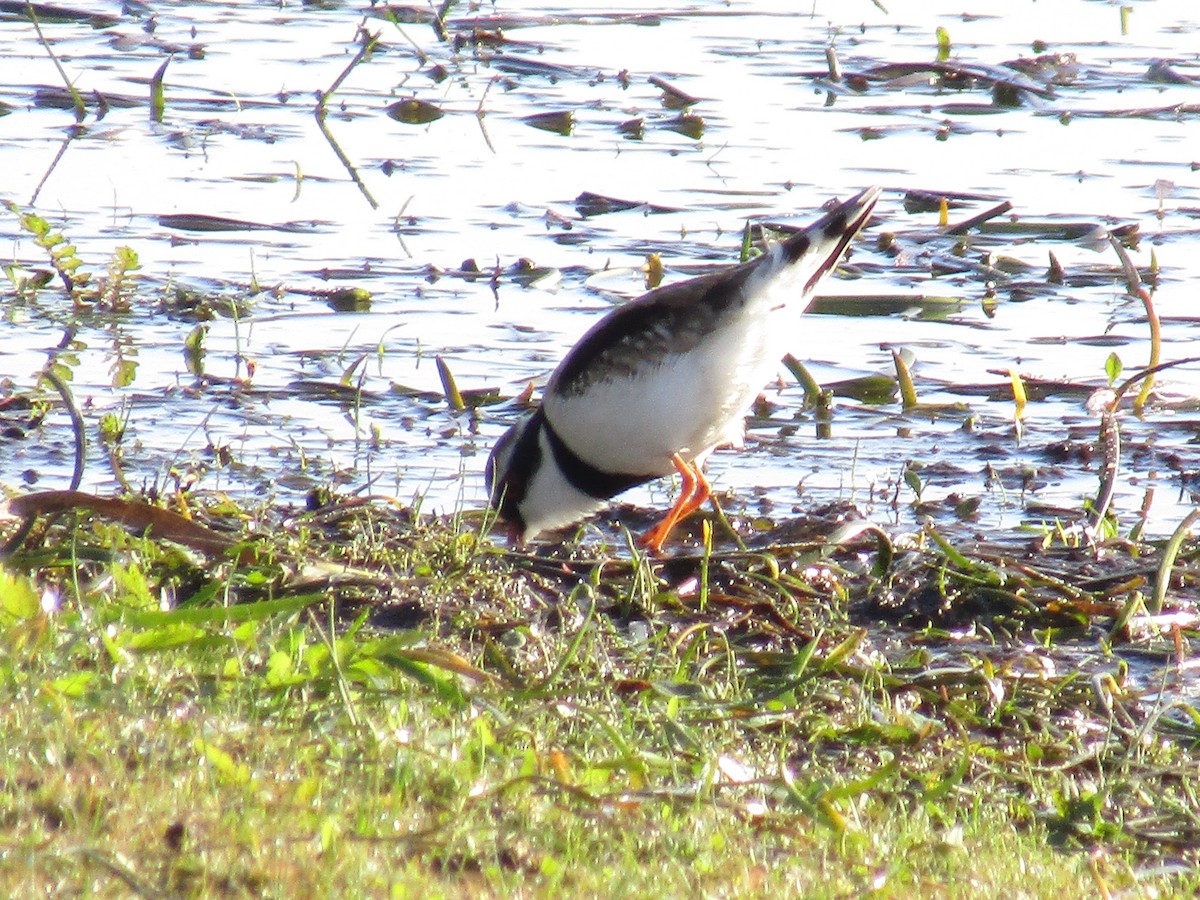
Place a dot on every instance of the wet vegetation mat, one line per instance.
(224, 700)
(938, 635)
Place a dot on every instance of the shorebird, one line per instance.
(660, 382)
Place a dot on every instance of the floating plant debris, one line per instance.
(558, 122)
(414, 112)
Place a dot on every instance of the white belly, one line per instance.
(684, 403)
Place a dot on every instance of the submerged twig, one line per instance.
(76, 99)
(966, 225)
(77, 129)
(73, 132)
(77, 427)
(166, 524)
(1136, 288)
(1110, 435)
(78, 431)
(368, 44)
(390, 15)
(439, 19)
(345, 161)
(480, 112)
(1110, 451)
(835, 67)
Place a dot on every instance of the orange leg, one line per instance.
(694, 491)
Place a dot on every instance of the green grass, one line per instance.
(378, 708)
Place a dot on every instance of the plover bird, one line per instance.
(660, 382)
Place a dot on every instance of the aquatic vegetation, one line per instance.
(114, 292)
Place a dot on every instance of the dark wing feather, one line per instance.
(667, 320)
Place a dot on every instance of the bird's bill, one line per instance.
(515, 534)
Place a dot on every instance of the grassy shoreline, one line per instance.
(369, 705)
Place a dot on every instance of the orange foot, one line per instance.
(692, 495)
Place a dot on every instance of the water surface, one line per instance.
(1100, 132)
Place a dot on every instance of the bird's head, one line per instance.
(510, 468)
(527, 486)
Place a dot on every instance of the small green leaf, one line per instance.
(193, 350)
(352, 299)
(1113, 368)
(126, 259)
(177, 634)
(280, 670)
(243, 612)
(913, 480)
(812, 390)
(454, 397)
(132, 587)
(874, 389)
(123, 372)
(306, 790)
(747, 243)
(967, 507)
(943, 44)
(72, 685)
(18, 598)
(111, 429)
(908, 390)
(328, 833)
(222, 763)
(158, 102)
(844, 650)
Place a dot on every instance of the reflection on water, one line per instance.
(1098, 129)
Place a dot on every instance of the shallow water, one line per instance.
(1114, 144)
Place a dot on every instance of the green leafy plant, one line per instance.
(117, 290)
(62, 253)
(114, 292)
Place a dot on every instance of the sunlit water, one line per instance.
(239, 139)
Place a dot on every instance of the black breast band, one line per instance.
(582, 474)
